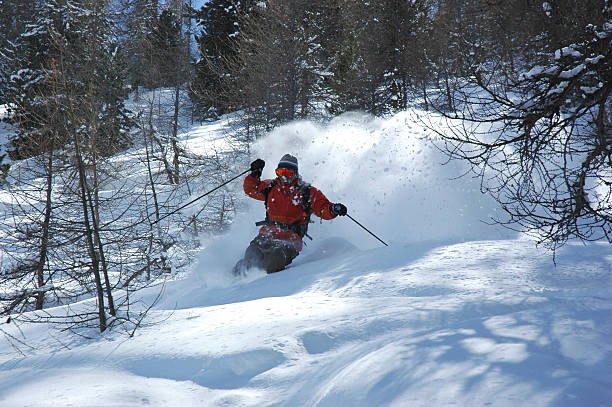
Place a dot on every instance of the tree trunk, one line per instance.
(40, 278)
(149, 172)
(449, 93)
(424, 86)
(94, 205)
(177, 96)
(173, 141)
(98, 241)
(89, 238)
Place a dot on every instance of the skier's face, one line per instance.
(285, 180)
(286, 176)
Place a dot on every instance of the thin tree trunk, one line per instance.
(149, 172)
(424, 86)
(96, 231)
(177, 96)
(88, 235)
(449, 96)
(173, 141)
(40, 296)
(94, 205)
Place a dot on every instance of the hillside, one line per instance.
(453, 312)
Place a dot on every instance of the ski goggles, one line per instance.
(285, 172)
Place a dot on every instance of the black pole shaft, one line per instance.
(366, 229)
(201, 196)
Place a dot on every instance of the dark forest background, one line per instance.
(280, 60)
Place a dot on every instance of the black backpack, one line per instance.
(300, 227)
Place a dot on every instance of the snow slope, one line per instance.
(453, 312)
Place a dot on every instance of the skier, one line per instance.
(289, 203)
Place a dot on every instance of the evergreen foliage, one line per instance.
(139, 19)
(69, 38)
(165, 46)
(220, 22)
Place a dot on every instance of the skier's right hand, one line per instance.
(257, 167)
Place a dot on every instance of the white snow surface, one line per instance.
(452, 313)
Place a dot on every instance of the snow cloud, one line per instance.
(391, 178)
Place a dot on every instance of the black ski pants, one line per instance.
(271, 255)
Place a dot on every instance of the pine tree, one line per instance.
(358, 67)
(278, 73)
(26, 84)
(69, 33)
(407, 37)
(6, 51)
(220, 22)
(15, 16)
(139, 18)
(165, 48)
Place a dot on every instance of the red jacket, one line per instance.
(285, 206)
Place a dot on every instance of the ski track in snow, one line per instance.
(432, 320)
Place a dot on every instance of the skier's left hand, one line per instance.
(338, 209)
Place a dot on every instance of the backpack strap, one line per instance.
(302, 226)
(305, 187)
(266, 192)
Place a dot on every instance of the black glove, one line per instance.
(257, 167)
(337, 209)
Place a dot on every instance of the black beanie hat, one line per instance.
(289, 162)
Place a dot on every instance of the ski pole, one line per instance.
(366, 229)
(200, 197)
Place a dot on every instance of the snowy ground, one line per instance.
(453, 312)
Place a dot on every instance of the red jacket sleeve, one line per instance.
(253, 187)
(320, 204)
